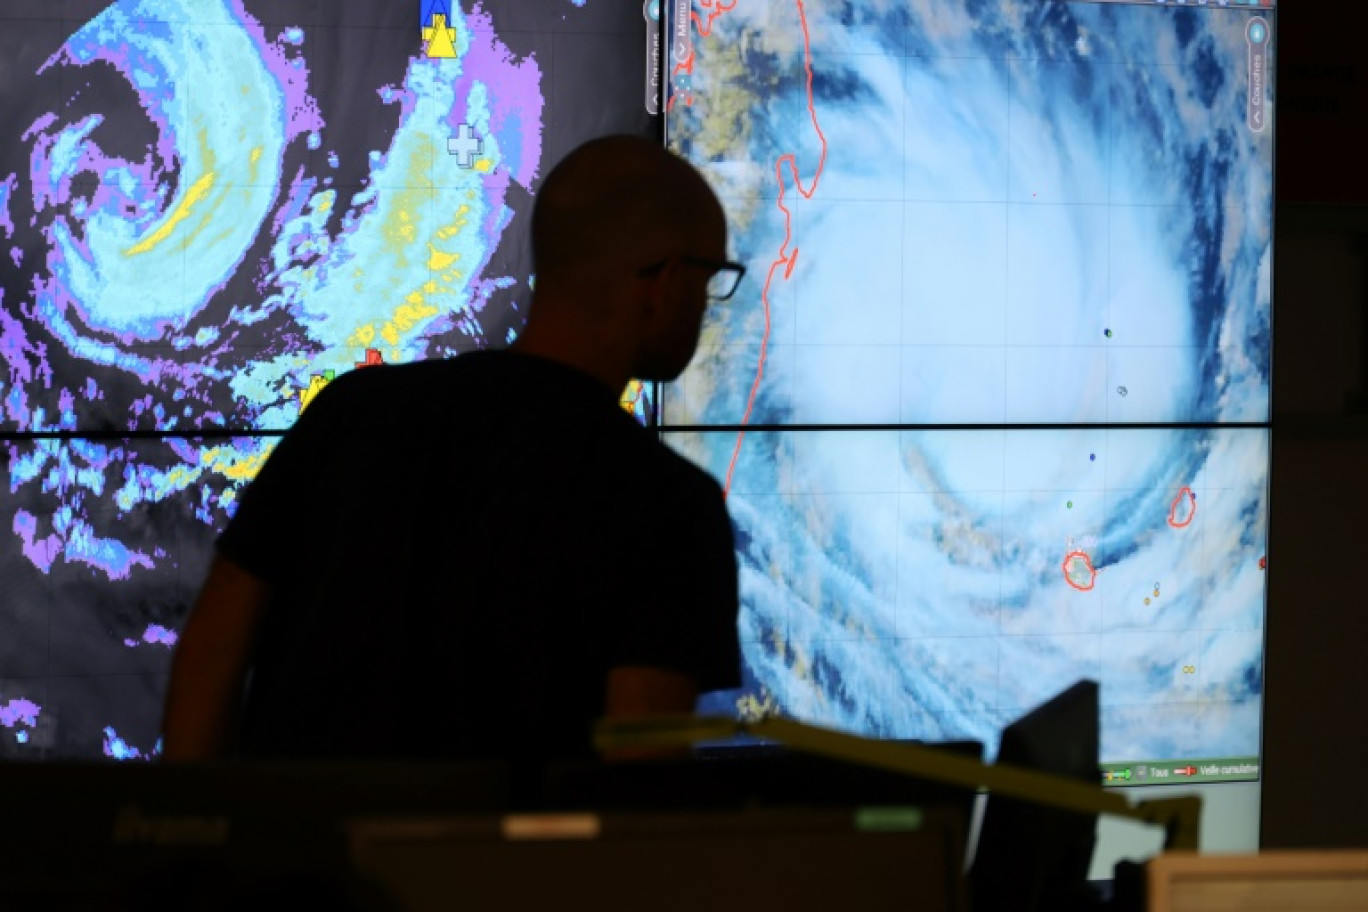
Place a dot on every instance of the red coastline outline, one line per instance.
(784, 257)
(1092, 571)
(1173, 508)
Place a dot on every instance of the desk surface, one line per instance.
(1295, 881)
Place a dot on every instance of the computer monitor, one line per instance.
(1032, 856)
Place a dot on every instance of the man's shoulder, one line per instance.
(684, 470)
(416, 374)
(676, 484)
(491, 370)
(387, 393)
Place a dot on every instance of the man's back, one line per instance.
(475, 558)
(394, 525)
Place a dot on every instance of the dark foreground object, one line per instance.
(373, 837)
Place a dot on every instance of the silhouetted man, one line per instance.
(474, 558)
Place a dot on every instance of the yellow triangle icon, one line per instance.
(316, 384)
(441, 41)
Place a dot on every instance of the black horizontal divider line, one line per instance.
(678, 429)
(1041, 426)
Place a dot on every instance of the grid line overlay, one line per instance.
(1117, 358)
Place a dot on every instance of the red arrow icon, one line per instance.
(1185, 771)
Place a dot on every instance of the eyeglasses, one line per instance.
(725, 276)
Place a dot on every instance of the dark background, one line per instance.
(1316, 680)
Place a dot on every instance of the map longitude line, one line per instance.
(902, 336)
(1106, 301)
(49, 585)
(1006, 297)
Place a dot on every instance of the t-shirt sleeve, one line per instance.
(276, 509)
(682, 612)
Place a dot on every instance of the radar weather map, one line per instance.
(991, 406)
(208, 210)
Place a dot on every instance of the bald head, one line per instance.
(625, 237)
(617, 203)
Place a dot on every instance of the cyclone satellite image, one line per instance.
(208, 210)
(992, 404)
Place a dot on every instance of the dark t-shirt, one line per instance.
(459, 552)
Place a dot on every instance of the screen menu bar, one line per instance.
(1169, 772)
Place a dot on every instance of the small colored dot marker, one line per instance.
(1092, 457)
(1107, 333)
(1146, 601)
(1069, 505)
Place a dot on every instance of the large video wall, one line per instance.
(992, 405)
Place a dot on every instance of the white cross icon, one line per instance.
(465, 145)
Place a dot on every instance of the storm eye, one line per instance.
(125, 132)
